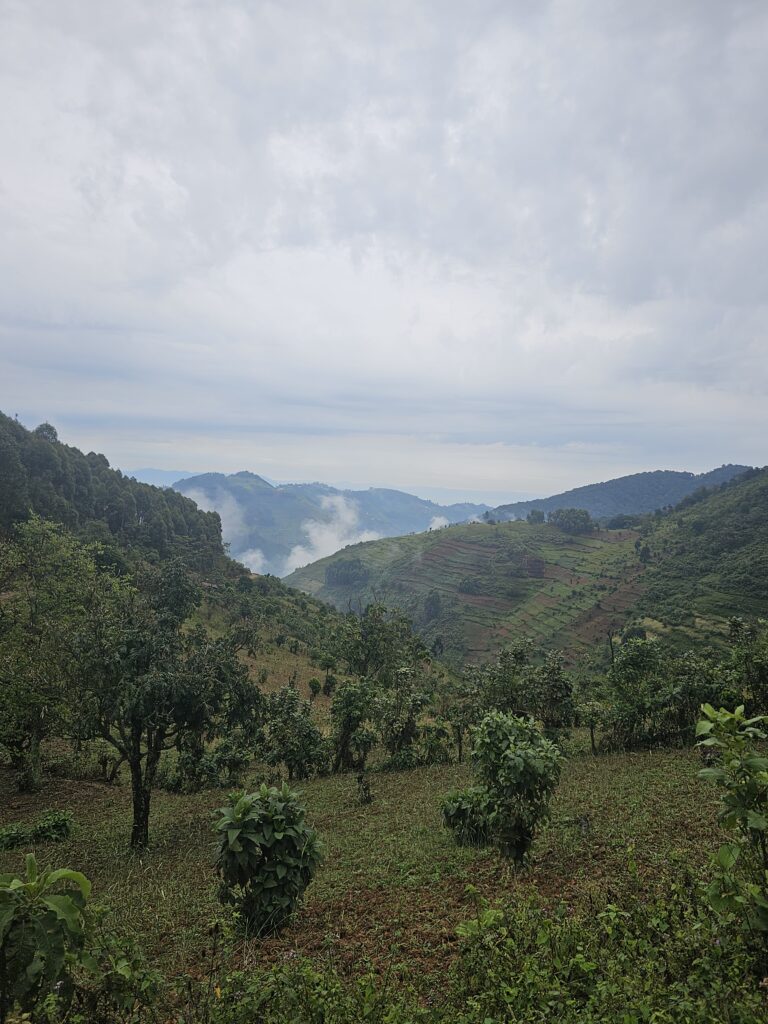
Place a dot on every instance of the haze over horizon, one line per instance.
(478, 250)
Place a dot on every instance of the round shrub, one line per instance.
(267, 857)
(466, 812)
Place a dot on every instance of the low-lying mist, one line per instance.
(323, 536)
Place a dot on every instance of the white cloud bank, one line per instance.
(326, 537)
(234, 529)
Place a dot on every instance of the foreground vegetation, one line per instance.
(394, 890)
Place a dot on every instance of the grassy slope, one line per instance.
(393, 884)
(710, 561)
(533, 580)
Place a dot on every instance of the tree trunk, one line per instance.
(141, 786)
(592, 736)
(30, 776)
(141, 801)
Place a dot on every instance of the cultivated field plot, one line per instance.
(393, 885)
(495, 583)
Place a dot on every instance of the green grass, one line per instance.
(393, 885)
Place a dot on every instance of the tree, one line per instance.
(397, 710)
(502, 685)
(145, 684)
(47, 580)
(351, 710)
(377, 644)
(291, 737)
(572, 520)
(535, 516)
(749, 660)
(552, 696)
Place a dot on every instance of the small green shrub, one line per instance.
(404, 760)
(658, 960)
(740, 869)
(520, 769)
(196, 769)
(52, 827)
(300, 994)
(268, 855)
(467, 813)
(517, 769)
(43, 932)
(434, 746)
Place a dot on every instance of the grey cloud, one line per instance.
(529, 224)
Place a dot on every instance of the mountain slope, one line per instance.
(39, 474)
(471, 587)
(276, 528)
(709, 557)
(631, 495)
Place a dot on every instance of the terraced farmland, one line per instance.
(473, 587)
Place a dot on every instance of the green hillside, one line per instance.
(709, 558)
(470, 588)
(627, 495)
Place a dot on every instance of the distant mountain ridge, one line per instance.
(626, 495)
(275, 528)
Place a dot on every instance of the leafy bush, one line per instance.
(740, 868)
(300, 994)
(434, 745)
(57, 953)
(404, 760)
(661, 960)
(467, 813)
(43, 932)
(518, 770)
(268, 855)
(52, 827)
(291, 736)
(196, 769)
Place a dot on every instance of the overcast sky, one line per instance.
(487, 247)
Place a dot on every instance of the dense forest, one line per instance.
(40, 475)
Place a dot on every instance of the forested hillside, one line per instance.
(41, 475)
(470, 587)
(630, 495)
